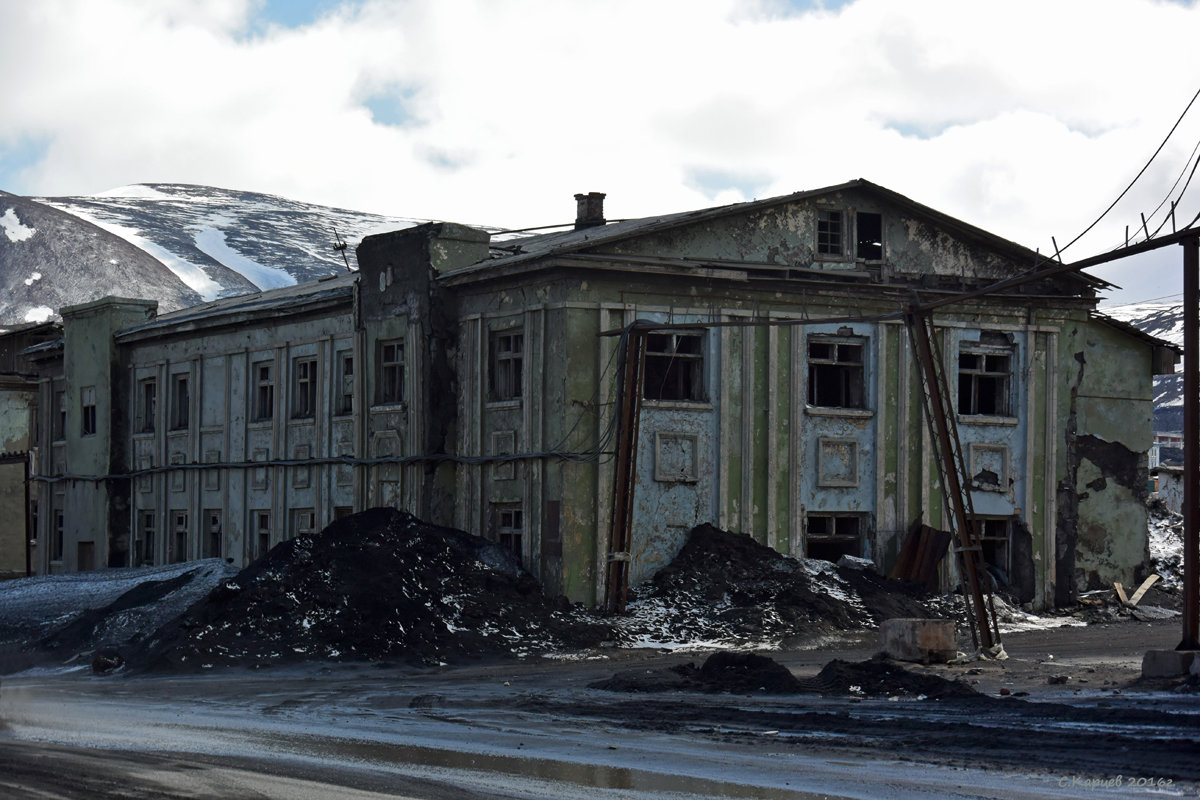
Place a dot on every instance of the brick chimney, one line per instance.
(589, 210)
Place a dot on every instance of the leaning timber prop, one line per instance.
(956, 483)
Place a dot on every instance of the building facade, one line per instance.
(473, 382)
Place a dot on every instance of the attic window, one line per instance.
(868, 229)
(829, 234)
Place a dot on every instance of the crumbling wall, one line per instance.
(1101, 536)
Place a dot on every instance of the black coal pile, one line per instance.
(726, 589)
(378, 585)
(726, 671)
(880, 677)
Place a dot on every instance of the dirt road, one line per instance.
(535, 729)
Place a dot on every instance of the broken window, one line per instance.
(147, 404)
(829, 234)
(264, 392)
(674, 367)
(212, 539)
(505, 361)
(58, 421)
(180, 402)
(831, 536)
(56, 536)
(868, 230)
(146, 534)
(994, 538)
(304, 520)
(87, 410)
(345, 385)
(262, 533)
(304, 388)
(509, 526)
(836, 377)
(179, 540)
(983, 380)
(390, 378)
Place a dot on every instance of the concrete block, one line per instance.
(1168, 663)
(923, 640)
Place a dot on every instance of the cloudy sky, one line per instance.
(1024, 118)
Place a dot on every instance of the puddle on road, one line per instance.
(600, 776)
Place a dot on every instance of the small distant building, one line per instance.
(1170, 486)
(471, 379)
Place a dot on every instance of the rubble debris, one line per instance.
(881, 677)
(725, 589)
(378, 585)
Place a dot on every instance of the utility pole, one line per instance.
(1191, 440)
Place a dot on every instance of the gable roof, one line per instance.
(515, 253)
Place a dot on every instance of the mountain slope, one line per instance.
(50, 259)
(196, 243)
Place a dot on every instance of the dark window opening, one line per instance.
(836, 377)
(994, 539)
(345, 396)
(341, 512)
(58, 422)
(180, 402)
(147, 404)
(506, 365)
(56, 536)
(147, 537)
(829, 233)
(390, 356)
(304, 390)
(831, 536)
(674, 367)
(262, 526)
(510, 526)
(869, 232)
(87, 408)
(179, 522)
(212, 542)
(264, 392)
(983, 382)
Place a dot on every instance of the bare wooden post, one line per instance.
(629, 406)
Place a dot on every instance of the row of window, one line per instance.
(674, 370)
(305, 375)
(178, 532)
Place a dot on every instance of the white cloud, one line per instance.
(1025, 118)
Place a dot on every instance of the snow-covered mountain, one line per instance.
(1164, 320)
(177, 243)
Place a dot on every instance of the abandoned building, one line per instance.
(471, 379)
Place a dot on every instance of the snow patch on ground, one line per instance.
(13, 228)
(36, 276)
(38, 314)
(211, 241)
(1166, 546)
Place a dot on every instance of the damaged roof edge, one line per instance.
(553, 244)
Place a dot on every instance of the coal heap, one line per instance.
(378, 585)
(726, 671)
(880, 677)
(725, 587)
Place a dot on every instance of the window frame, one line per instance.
(508, 527)
(684, 378)
(304, 387)
(181, 401)
(179, 535)
(147, 398)
(817, 366)
(833, 537)
(830, 245)
(87, 411)
(389, 372)
(976, 375)
(345, 385)
(264, 391)
(506, 365)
